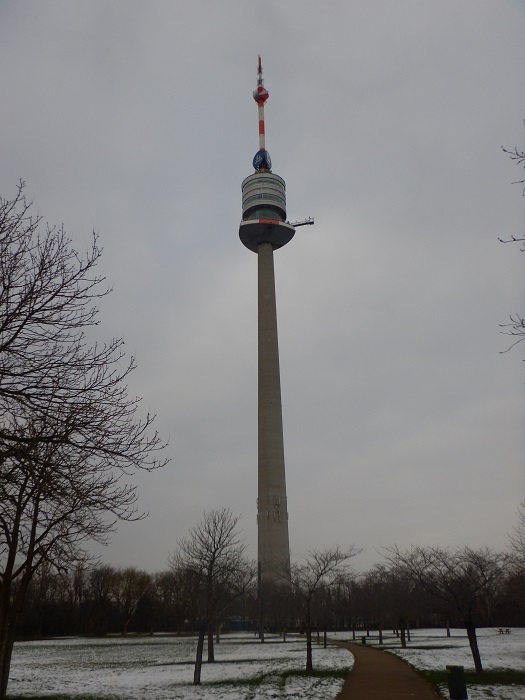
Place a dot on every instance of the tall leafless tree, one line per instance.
(128, 588)
(70, 433)
(212, 566)
(462, 578)
(319, 571)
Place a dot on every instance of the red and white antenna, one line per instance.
(260, 95)
(262, 160)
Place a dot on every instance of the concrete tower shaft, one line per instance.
(272, 509)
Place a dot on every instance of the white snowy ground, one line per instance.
(432, 650)
(161, 668)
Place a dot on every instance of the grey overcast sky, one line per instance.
(403, 422)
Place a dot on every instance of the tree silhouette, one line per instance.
(70, 433)
(212, 568)
(463, 578)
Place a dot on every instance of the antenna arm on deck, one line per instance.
(307, 222)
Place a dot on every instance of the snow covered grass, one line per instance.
(161, 668)
(431, 650)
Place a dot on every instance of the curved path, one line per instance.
(378, 675)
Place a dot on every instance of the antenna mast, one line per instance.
(260, 95)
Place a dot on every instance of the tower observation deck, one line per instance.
(262, 230)
(264, 211)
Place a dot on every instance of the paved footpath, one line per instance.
(378, 675)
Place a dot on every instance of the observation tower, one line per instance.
(264, 229)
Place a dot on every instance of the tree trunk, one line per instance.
(211, 648)
(4, 670)
(6, 648)
(381, 633)
(309, 662)
(403, 633)
(260, 601)
(3, 645)
(448, 628)
(473, 642)
(10, 611)
(198, 657)
(324, 639)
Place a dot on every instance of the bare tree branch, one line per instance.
(461, 578)
(69, 431)
(319, 571)
(212, 567)
(516, 328)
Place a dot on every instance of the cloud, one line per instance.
(401, 418)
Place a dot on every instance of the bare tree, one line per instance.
(99, 581)
(279, 607)
(70, 433)
(215, 572)
(49, 296)
(462, 578)
(168, 600)
(515, 328)
(319, 571)
(386, 594)
(519, 159)
(128, 588)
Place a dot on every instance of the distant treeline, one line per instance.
(106, 600)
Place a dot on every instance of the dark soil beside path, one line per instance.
(378, 675)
